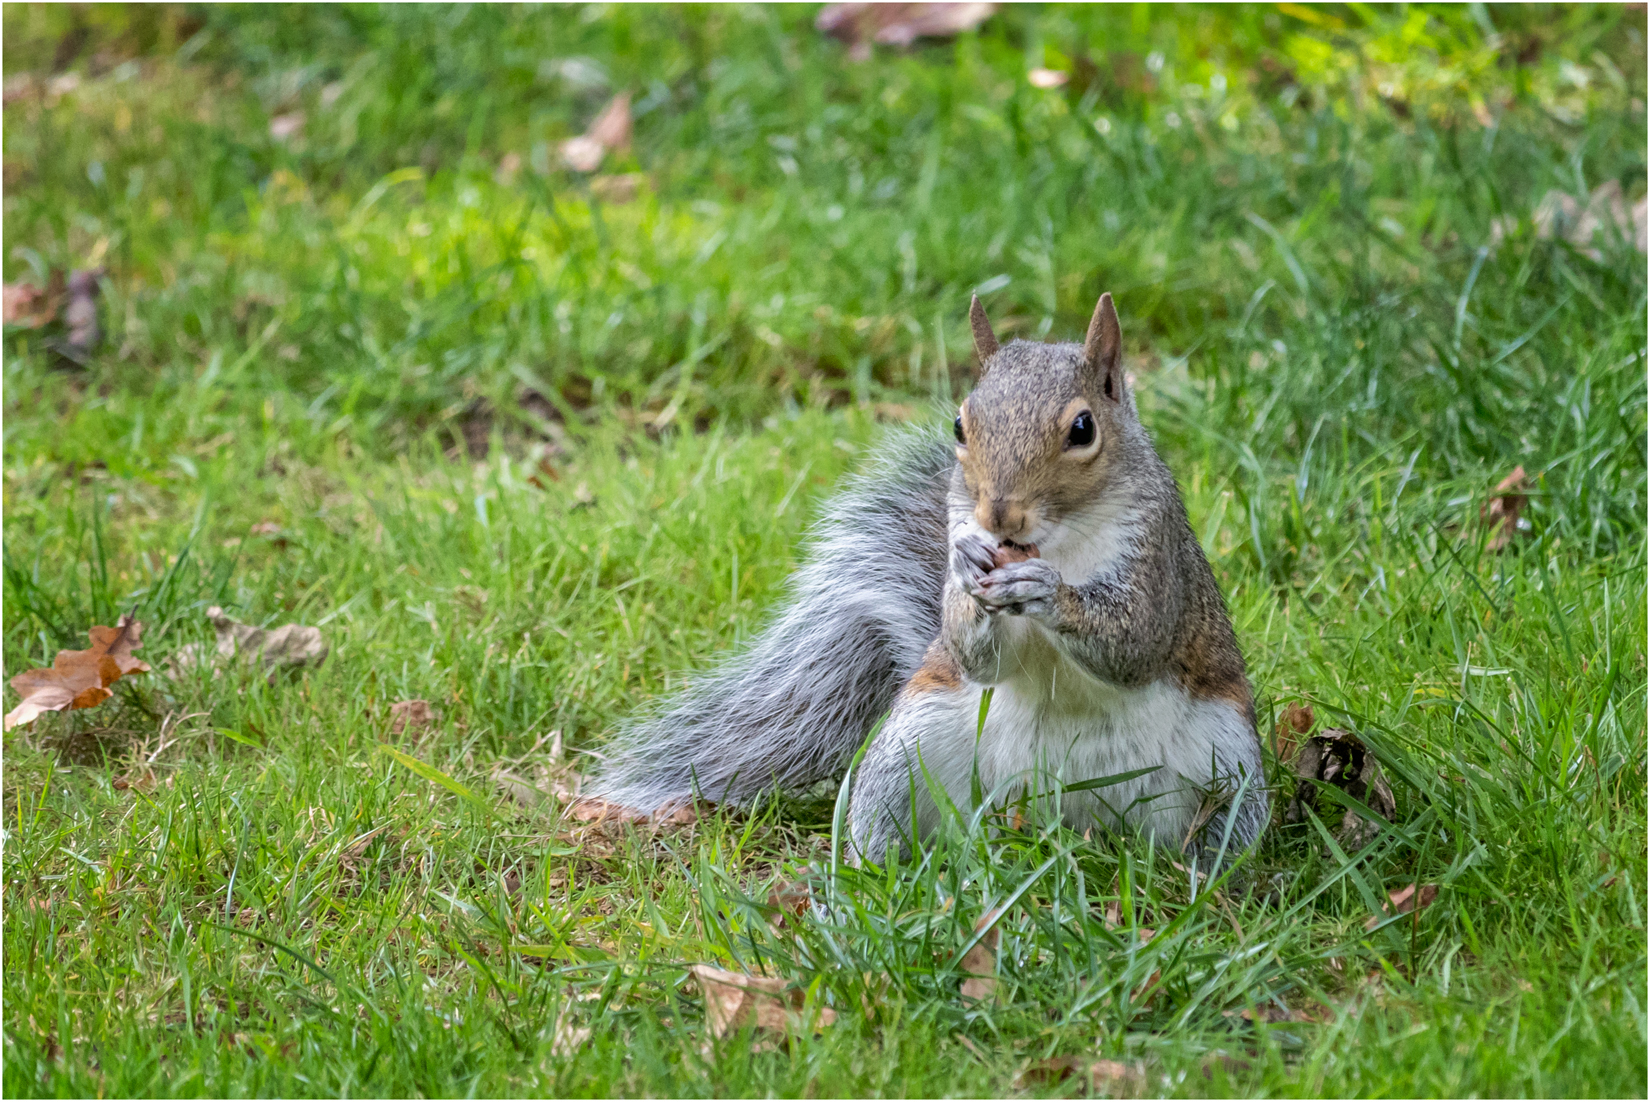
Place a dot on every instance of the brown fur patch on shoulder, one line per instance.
(939, 671)
(1210, 667)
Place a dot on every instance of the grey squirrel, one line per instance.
(1046, 553)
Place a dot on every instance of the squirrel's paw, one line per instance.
(971, 559)
(1019, 589)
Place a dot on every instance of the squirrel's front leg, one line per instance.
(968, 632)
(1116, 629)
(1029, 588)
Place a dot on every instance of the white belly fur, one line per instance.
(1052, 717)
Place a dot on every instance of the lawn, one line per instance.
(531, 445)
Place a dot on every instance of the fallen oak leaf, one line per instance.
(789, 898)
(517, 789)
(860, 24)
(1406, 900)
(1294, 721)
(979, 964)
(1107, 1078)
(291, 645)
(568, 1039)
(612, 127)
(79, 678)
(609, 130)
(593, 809)
(29, 307)
(768, 1004)
(413, 715)
(1338, 758)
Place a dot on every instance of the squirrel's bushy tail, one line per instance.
(793, 706)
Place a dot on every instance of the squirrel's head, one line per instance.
(1038, 437)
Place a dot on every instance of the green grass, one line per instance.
(343, 334)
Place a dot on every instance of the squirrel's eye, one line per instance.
(957, 425)
(1082, 431)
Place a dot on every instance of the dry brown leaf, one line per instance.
(1565, 216)
(789, 898)
(860, 24)
(518, 789)
(79, 678)
(612, 126)
(1406, 900)
(593, 809)
(411, 715)
(1107, 1078)
(1338, 757)
(766, 1003)
(290, 645)
(609, 130)
(1295, 720)
(686, 815)
(1502, 512)
(30, 307)
(979, 964)
(1269, 1013)
(568, 1038)
(141, 778)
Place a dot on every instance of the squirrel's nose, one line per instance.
(1001, 517)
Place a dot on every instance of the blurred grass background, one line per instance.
(529, 443)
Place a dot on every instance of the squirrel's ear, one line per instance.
(985, 341)
(1103, 349)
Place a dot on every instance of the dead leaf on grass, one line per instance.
(141, 778)
(1503, 512)
(1294, 721)
(1561, 215)
(766, 1003)
(290, 646)
(861, 24)
(1406, 900)
(569, 1038)
(518, 789)
(789, 898)
(610, 130)
(411, 715)
(594, 809)
(979, 964)
(1338, 757)
(30, 307)
(1107, 1078)
(79, 678)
